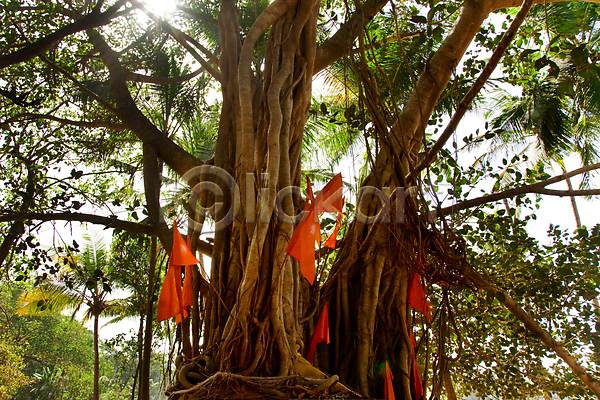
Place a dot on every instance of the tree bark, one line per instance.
(144, 392)
(96, 360)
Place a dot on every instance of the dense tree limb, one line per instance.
(539, 188)
(184, 40)
(516, 3)
(133, 227)
(17, 228)
(531, 324)
(134, 77)
(340, 44)
(466, 102)
(174, 156)
(84, 124)
(91, 20)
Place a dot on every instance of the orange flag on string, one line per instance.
(169, 304)
(181, 253)
(417, 298)
(389, 387)
(321, 334)
(330, 198)
(415, 377)
(308, 231)
(302, 244)
(173, 301)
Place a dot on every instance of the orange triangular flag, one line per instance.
(169, 303)
(181, 253)
(389, 387)
(415, 377)
(330, 198)
(302, 244)
(321, 333)
(417, 298)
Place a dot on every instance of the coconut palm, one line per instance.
(83, 282)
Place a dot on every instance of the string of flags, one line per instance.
(175, 299)
(308, 232)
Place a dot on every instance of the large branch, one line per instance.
(466, 102)
(157, 80)
(126, 109)
(82, 124)
(32, 50)
(539, 188)
(531, 324)
(340, 44)
(184, 40)
(498, 4)
(133, 227)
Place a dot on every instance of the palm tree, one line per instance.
(82, 282)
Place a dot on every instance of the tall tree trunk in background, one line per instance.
(140, 355)
(96, 360)
(144, 391)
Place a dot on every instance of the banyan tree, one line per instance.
(91, 72)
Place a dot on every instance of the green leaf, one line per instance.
(580, 55)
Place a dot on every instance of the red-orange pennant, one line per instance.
(330, 198)
(181, 253)
(417, 298)
(321, 334)
(173, 301)
(169, 304)
(302, 244)
(389, 387)
(308, 231)
(415, 377)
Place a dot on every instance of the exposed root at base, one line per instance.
(224, 385)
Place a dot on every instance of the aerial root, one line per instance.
(224, 385)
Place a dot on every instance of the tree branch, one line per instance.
(184, 41)
(80, 85)
(83, 124)
(91, 20)
(115, 223)
(498, 4)
(133, 227)
(533, 188)
(173, 155)
(340, 44)
(466, 102)
(534, 327)
(134, 77)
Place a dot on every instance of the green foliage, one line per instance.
(556, 283)
(57, 351)
(11, 367)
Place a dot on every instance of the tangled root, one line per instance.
(223, 385)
